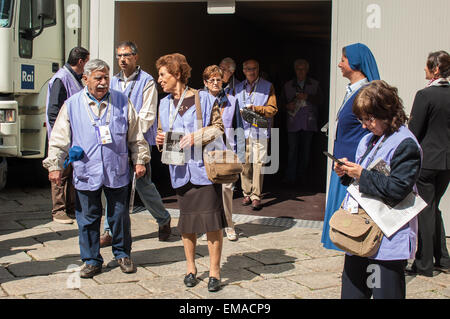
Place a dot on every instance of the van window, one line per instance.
(6, 7)
(29, 21)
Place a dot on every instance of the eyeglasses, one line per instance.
(125, 55)
(250, 69)
(211, 81)
(366, 119)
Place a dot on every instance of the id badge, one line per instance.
(104, 135)
(352, 205)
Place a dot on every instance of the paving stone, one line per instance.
(38, 284)
(236, 276)
(115, 291)
(12, 257)
(328, 293)
(174, 268)
(427, 295)
(36, 268)
(167, 284)
(239, 261)
(271, 256)
(58, 294)
(318, 280)
(328, 264)
(24, 233)
(157, 256)
(271, 288)
(5, 275)
(13, 297)
(317, 252)
(442, 279)
(446, 292)
(280, 270)
(2, 293)
(10, 225)
(227, 292)
(116, 275)
(419, 285)
(47, 253)
(174, 295)
(20, 244)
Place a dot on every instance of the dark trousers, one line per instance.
(431, 240)
(363, 277)
(299, 150)
(89, 214)
(63, 196)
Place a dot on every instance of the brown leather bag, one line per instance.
(222, 166)
(356, 234)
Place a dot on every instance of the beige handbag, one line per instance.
(222, 166)
(356, 234)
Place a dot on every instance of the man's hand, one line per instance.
(140, 170)
(160, 138)
(55, 177)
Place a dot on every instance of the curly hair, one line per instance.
(381, 101)
(175, 63)
(212, 70)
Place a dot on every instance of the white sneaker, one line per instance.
(204, 238)
(231, 234)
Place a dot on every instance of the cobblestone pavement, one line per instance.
(273, 258)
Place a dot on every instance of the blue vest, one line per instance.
(71, 85)
(102, 165)
(194, 169)
(402, 244)
(137, 99)
(258, 98)
(349, 132)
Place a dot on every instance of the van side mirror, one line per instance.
(45, 9)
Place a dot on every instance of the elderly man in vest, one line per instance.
(65, 83)
(140, 88)
(259, 95)
(228, 67)
(104, 124)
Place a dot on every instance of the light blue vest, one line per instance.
(194, 169)
(71, 85)
(102, 165)
(402, 244)
(136, 98)
(257, 98)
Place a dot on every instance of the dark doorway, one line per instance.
(274, 33)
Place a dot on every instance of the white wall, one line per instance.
(408, 31)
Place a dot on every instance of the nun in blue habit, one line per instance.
(359, 66)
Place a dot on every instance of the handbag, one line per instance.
(222, 166)
(254, 118)
(356, 234)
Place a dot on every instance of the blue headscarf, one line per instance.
(360, 58)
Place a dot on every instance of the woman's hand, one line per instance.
(187, 141)
(160, 138)
(353, 170)
(339, 169)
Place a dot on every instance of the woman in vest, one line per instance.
(358, 65)
(380, 110)
(430, 123)
(200, 201)
(231, 117)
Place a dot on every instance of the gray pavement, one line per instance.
(273, 258)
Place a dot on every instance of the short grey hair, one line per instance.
(301, 62)
(95, 65)
(128, 44)
(230, 62)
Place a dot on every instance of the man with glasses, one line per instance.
(258, 95)
(65, 83)
(140, 88)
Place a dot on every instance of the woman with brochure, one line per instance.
(380, 110)
(200, 201)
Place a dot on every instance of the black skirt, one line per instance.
(201, 208)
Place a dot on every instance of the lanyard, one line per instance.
(251, 94)
(89, 111)
(373, 155)
(177, 108)
(132, 84)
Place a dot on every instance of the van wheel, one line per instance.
(3, 172)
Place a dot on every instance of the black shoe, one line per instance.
(414, 272)
(164, 232)
(445, 270)
(190, 280)
(213, 284)
(126, 265)
(89, 271)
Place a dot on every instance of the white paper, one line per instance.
(389, 219)
(172, 152)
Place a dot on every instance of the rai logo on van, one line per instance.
(27, 77)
